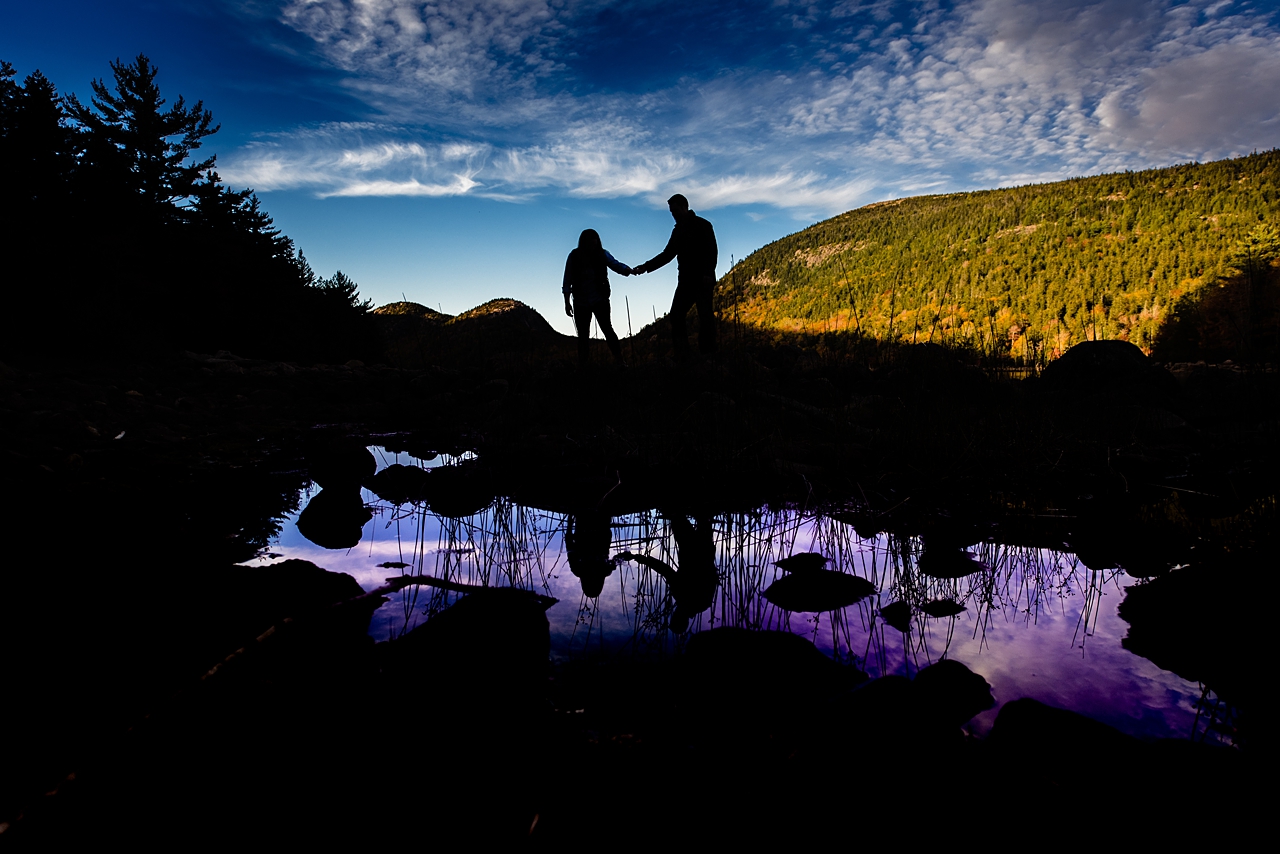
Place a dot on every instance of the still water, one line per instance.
(1034, 622)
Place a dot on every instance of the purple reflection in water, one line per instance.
(1037, 623)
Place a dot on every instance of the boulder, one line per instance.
(343, 463)
(739, 663)
(1109, 367)
(488, 650)
(1028, 728)
(334, 518)
(400, 484)
(818, 590)
(736, 683)
(952, 692)
(460, 490)
(947, 563)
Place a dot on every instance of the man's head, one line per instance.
(679, 206)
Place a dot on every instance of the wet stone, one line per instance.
(400, 484)
(820, 590)
(334, 518)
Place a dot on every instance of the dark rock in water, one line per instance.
(878, 717)
(294, 588)
(949, 563)
(953, 692)
(1108, 366)
(897, 615)
(942, 608)
(473, 680)
(341, 464)
(492, 645)
(1100, 547)
(400, 484)
(1028, 727)
(458, 491)
(1150, 773)
(239, 603)
(1153, 777)
(802, 562)
(770, 656)
(727, 670)
(818, 590)
(1174, 622)
(896, 723)
(334, 518)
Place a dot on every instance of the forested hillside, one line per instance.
(1026, 271)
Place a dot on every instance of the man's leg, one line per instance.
(706, 318)
(684, 298)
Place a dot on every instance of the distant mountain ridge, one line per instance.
(413, 334)
(1021, 271)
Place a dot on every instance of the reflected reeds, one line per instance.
(508, 544)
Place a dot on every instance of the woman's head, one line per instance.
(589, 241)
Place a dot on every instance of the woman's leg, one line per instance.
(601, 311)
(582, 321)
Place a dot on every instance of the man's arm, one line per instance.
(662, 259)
(715, 250)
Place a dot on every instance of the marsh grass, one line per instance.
(509, 544)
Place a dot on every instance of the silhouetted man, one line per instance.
(693, 241)
(694, 585)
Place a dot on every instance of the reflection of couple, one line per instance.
(586, 280)
(693, 585)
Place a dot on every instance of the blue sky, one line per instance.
(452, 151)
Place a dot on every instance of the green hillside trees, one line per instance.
(1023, 272)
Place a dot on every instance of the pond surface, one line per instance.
(1033, 622)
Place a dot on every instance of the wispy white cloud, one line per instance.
(783, 190)
(482, 98)
(408, 55)
(460, 185)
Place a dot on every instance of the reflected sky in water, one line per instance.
(1037, 623)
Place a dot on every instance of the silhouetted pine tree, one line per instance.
(131, 139)
(136, 244)
(36, 145)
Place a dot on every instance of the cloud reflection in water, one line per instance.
(1037, 623)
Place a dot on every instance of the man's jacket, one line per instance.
(693, 241)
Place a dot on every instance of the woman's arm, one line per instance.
(615, 265)
(566, 286)
(663, 569)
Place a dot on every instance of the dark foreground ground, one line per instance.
(1125, 462)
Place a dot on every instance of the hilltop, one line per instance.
(1026, 271)
(413, 335)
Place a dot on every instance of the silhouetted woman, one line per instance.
(586, 279)
(587, 542)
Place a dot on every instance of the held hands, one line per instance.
(635, 271)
